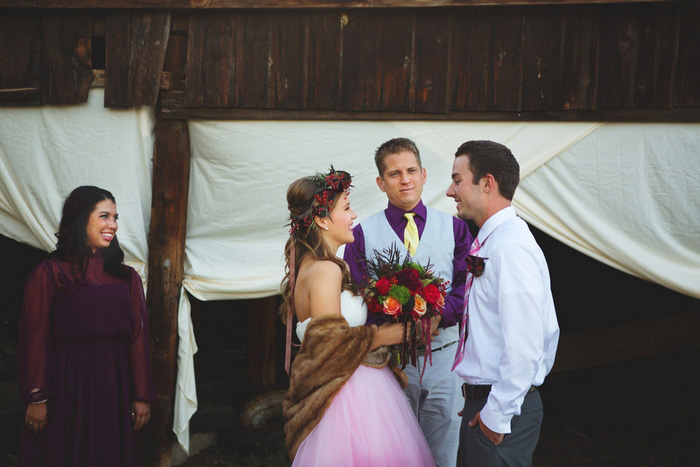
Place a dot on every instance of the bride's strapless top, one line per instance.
(352, 307)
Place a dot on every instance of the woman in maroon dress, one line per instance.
(83, 351)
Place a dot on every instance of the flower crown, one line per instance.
(328, 185)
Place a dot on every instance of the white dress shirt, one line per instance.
(513, 330)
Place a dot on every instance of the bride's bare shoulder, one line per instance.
(327, 268)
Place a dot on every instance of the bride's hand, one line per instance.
(389, 334)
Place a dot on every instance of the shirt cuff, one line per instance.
(495, 421)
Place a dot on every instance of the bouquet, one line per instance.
(404, 292)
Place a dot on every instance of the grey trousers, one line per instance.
(436, 400)
(476, 450)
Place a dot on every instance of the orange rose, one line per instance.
(440, 302)
(392, 306)
(420, 307)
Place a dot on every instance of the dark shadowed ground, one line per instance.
(643, 413)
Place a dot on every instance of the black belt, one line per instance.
(421, 348)
(476, 392)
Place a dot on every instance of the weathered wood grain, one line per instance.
(469, 58)
(360, 90)
(571, 57)
(687, 76)
(20, 60)
(504, 84)
(66, 59)
(290, 3)
(395, 67)
(577, 83)
(263, 322)
(166, 253)
(289, 57)
(135, 51)
(656, 65)
(252, 59)
(619, 52)
(431, 62)
(325, 58)
(542, 62)
(117, 59)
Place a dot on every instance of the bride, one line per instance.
(344, 406)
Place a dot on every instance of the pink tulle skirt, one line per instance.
(369, 423)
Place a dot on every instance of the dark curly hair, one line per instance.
(72, 244)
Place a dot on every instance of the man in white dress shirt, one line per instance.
(511, 325)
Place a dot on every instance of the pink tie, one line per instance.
(476, 246)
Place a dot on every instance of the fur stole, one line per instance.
(330, 353)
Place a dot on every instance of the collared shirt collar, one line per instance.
(494, 221)
(394, 214)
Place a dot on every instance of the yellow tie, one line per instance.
(410, 233)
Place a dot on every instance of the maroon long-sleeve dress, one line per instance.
(83, 345)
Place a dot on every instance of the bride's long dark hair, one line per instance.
(306, 240)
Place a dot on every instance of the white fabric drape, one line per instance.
(240, 172)
(629, 196)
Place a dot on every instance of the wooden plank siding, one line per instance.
(264, 4)
(46, 56)
(136, 42)
(623, 62)
(445, 60)
(20, 58)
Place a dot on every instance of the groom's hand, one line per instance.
(434, 323)
(496, 438)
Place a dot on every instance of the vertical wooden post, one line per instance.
(171, 170)
(262, 326)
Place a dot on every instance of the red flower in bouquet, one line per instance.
(383, 285)
(410, 278)
(405, 292)
(432, 295)
(374, 306)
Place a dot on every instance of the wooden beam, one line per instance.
(166, 243)
(172, 107)
(262, 325)
(66, 58)
(198, 4)
(628, 341)
(136, 43)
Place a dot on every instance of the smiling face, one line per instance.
(402, 180)
(102, 225)
(470, 199)
(339, 223)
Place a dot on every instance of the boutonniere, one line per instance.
(475, 265)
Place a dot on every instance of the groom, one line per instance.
(430, 236)
(511, 327)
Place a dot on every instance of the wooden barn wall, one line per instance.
(46, 55)
(512, 59)
(580, 59)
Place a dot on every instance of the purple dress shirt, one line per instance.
(355, 256)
